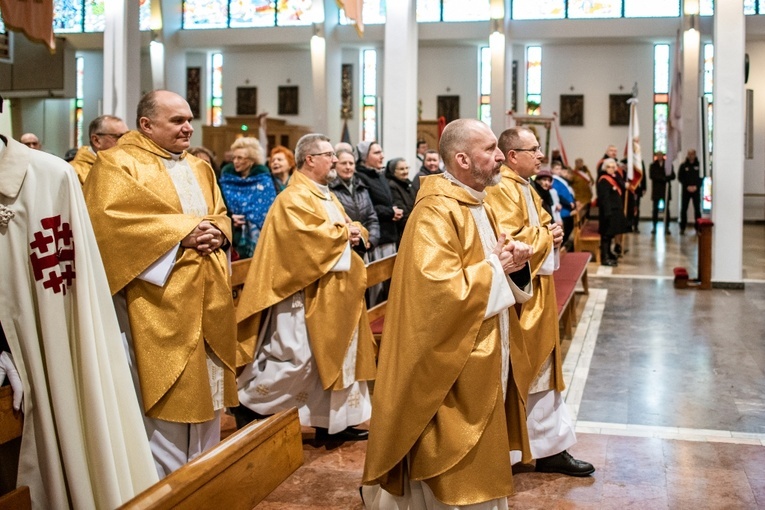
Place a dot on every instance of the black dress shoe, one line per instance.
(349, 434)
(564, 464)
(609, 262)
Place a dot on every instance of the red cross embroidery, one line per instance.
(52, 257)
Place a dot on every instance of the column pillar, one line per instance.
(728, 141)
(691, 82)
(501, 65)
(399, 98)
(122, 59)
(168, 59)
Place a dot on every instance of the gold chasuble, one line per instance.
(539, 315)
(334, 301)
(439, 414)
(137, 218)
(83, 162)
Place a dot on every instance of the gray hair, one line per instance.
(306, 145)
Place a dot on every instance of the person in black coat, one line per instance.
(431, 166)
(612, 221)
(397, 172)
(371, 171)
(354, 195)
(690, 187)
(659, 188)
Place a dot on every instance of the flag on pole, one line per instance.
(353, 10)
(675, 116)
(33, 18)
(346, 136)
(634, 157)
(561, 148)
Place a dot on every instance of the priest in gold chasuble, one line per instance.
(162, 228)
(540, 378)
(445, 410)
(304, 335)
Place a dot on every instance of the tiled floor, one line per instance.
(667, 386)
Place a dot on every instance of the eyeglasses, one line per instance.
(533, 149)
(112, 135)
(330, 154)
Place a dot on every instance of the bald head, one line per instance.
(165, 118)
(30, 140)
(469, 151)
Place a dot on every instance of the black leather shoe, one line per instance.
(609, 262)
(349, 434)
(564, 464)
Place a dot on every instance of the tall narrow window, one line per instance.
(484, 108)
(369, 94)
(706, 7)
(534, 80)
(79, 134)
(216, 89)
(660, 96)
(709, 67)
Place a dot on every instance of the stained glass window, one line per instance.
(709, 51)
(661, 69)
(79, 97)
(539, 9)
(428, 10)
(706, 7)
(369, 94)
(67, 16)
(74, 16)
(2, 26)
(484, 108)
(750, 7)
(660, 111)
(594, 8)
(534, 80)
(660, 96)
(205, 13)
(251, 13)
(465, 10)
(216, 86)
(373, 13)
(651, 8)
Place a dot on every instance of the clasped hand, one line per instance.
(513, 255)
(354, 232)
(557, 232)
(205, 238)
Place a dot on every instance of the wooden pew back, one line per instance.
(11, 425)
(236, 474)
(377, 272)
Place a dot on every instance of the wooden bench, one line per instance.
(11, 425)
(377, 272)
(587, 238)
(239, 269)
(572, 271)
(236, 474)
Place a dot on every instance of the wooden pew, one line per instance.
(236, 474)
(377, 272)
(11, 425)
(239, 270)
(572, 270)
(586, 236)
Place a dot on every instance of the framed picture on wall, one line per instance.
(618, 110)
(448, 107)
(193, 89)
(572, 110)
(288, 100)
(346, 92)
(247, 100)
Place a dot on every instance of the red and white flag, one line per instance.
(353, 10)
(32, 17)
(634, 157)
(675, 117)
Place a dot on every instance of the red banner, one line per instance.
(32, 17)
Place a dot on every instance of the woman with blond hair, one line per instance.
(249, 192)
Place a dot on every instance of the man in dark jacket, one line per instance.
(430, 166)
(354, 195)
(690, 187)
(660, 189)
(611, 219)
